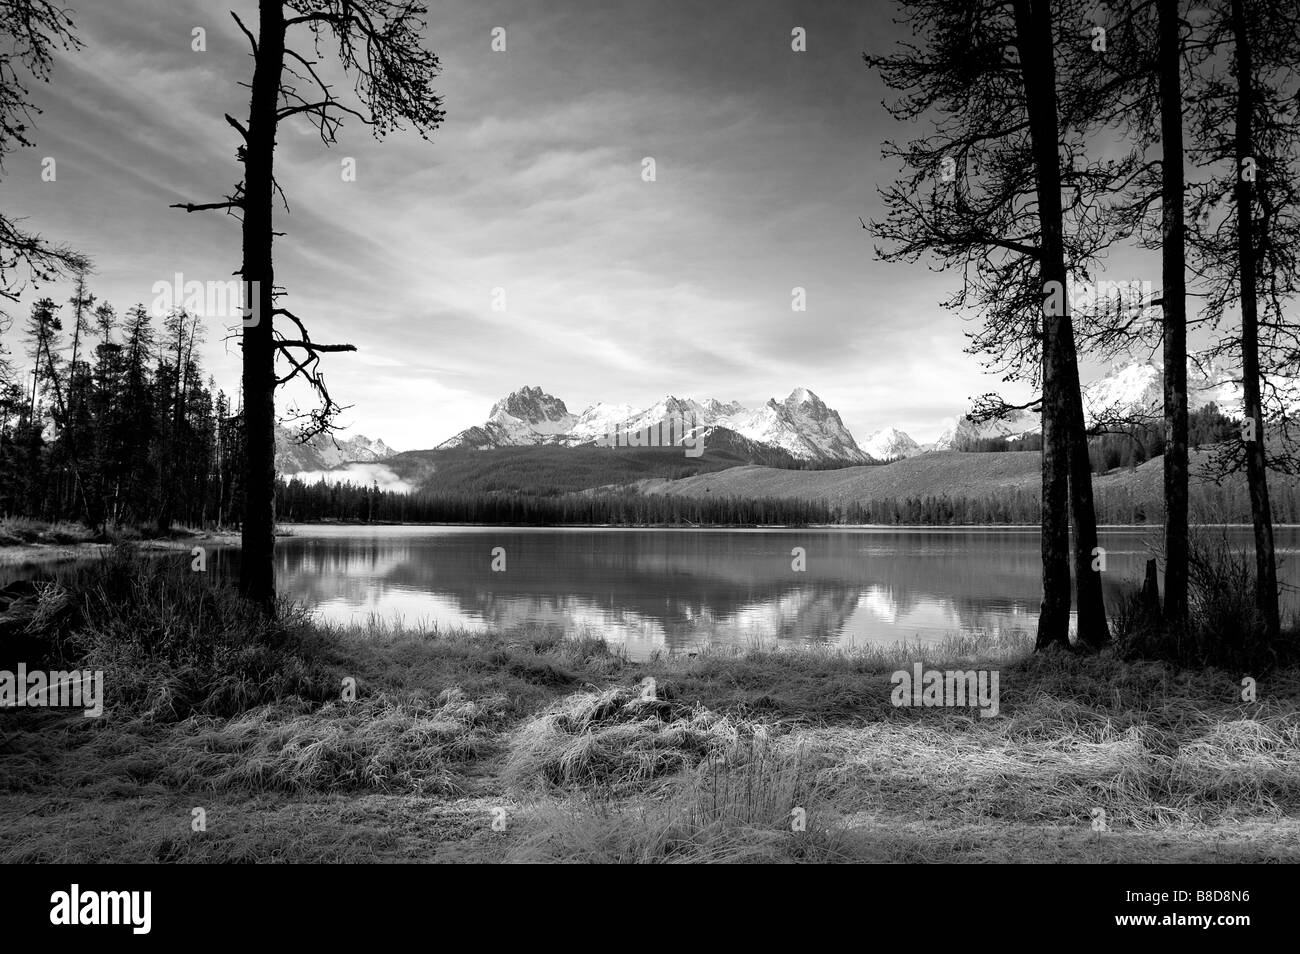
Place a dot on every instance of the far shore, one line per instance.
(16, 554)
(41, 551)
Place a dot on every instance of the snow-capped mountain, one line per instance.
(806, 429)
(801, 425)
(1126, 394)
(963, 432)
(673, 408)
(890, 444)
(1137, 391)
(599, 420)
(523, 417)
(1129, 391)
(324, 453)
(530, 416)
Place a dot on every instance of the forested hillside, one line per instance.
(547, 470)
(956, 487)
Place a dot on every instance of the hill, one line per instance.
(1128, 495)
(942, 472)
(547, 470)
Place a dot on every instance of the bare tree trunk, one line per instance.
(257, 567)
(1174, 296)
(1256, 465)
(1093, 631)
(1034, 42)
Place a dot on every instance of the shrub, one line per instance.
(1224, 626)
(174, 643)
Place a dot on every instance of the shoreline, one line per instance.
(59, 551)
(18, 554)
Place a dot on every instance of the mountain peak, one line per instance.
(530, 404)
(723, 408)
(890, 443)
(802, 396)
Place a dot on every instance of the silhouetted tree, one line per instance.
(31, 31)
(1138, 83)
(379, 43)
(985, 196)
(1244, 237)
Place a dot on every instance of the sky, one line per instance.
(615, 289)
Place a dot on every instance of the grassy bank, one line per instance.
(24, 540)
(23, 531)
(555, 740)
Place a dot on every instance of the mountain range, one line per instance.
(324, 453)
(1127, 393)
(801, 425)
(801, 428)
(805, 428)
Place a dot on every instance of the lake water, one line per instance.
(679, 589)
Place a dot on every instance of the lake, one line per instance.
(676, 590)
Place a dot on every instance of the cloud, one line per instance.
(366, 475)
(617, 289)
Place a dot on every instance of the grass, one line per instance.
(1225, 627)
(23, 537)
(534, 745)
(21, 531)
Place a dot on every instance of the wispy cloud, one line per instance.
(616, 289)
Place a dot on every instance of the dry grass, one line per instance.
(616, 741)
(376, 744)
(18, 531)
(1192, 776)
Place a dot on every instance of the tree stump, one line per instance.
(1151, 592)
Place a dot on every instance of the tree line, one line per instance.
(113, 423)
(298, 501)
(1125, 443)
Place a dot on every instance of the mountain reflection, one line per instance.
(676, 590)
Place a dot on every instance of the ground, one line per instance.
(28, 541)
(534, 746)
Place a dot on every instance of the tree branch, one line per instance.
(313, 347)
(251, 39)
(207, 206)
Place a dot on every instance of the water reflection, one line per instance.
(676, 590)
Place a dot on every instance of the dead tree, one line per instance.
(379, 43)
